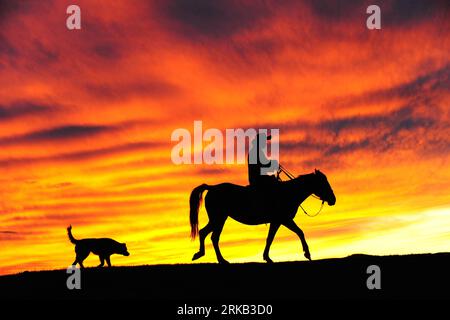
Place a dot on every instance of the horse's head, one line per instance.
(323, 189)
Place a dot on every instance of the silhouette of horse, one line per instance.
(252, 206)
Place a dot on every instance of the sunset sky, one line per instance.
(86, 118)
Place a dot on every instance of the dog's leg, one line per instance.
(108, 261)
(81, 255)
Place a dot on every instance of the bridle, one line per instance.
(291, 176)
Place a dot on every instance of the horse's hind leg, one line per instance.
(217, 230)
(203, 233)
(291, 225)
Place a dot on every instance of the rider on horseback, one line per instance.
(279, 206)
(259, 166)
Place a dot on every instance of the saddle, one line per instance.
(265, 188)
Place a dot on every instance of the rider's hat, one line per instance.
(262, 135)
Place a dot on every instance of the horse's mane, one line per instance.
(299, 178)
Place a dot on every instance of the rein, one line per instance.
(291, 176)
(313, 215)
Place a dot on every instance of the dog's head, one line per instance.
(123, 249)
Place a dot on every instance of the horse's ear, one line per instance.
(315, 170)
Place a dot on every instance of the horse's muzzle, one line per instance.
(332, 201)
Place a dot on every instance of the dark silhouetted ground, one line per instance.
(409, 276)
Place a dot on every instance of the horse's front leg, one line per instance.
(272, 231)
(291, 225)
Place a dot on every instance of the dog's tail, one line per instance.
(69, 233)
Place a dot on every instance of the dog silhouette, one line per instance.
(103, 247)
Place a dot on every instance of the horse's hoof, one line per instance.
(308, 256)
(268, 260)
(197, 256)
(224, 261)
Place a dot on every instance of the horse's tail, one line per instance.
(195, 201)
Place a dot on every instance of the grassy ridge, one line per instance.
(408, 276)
